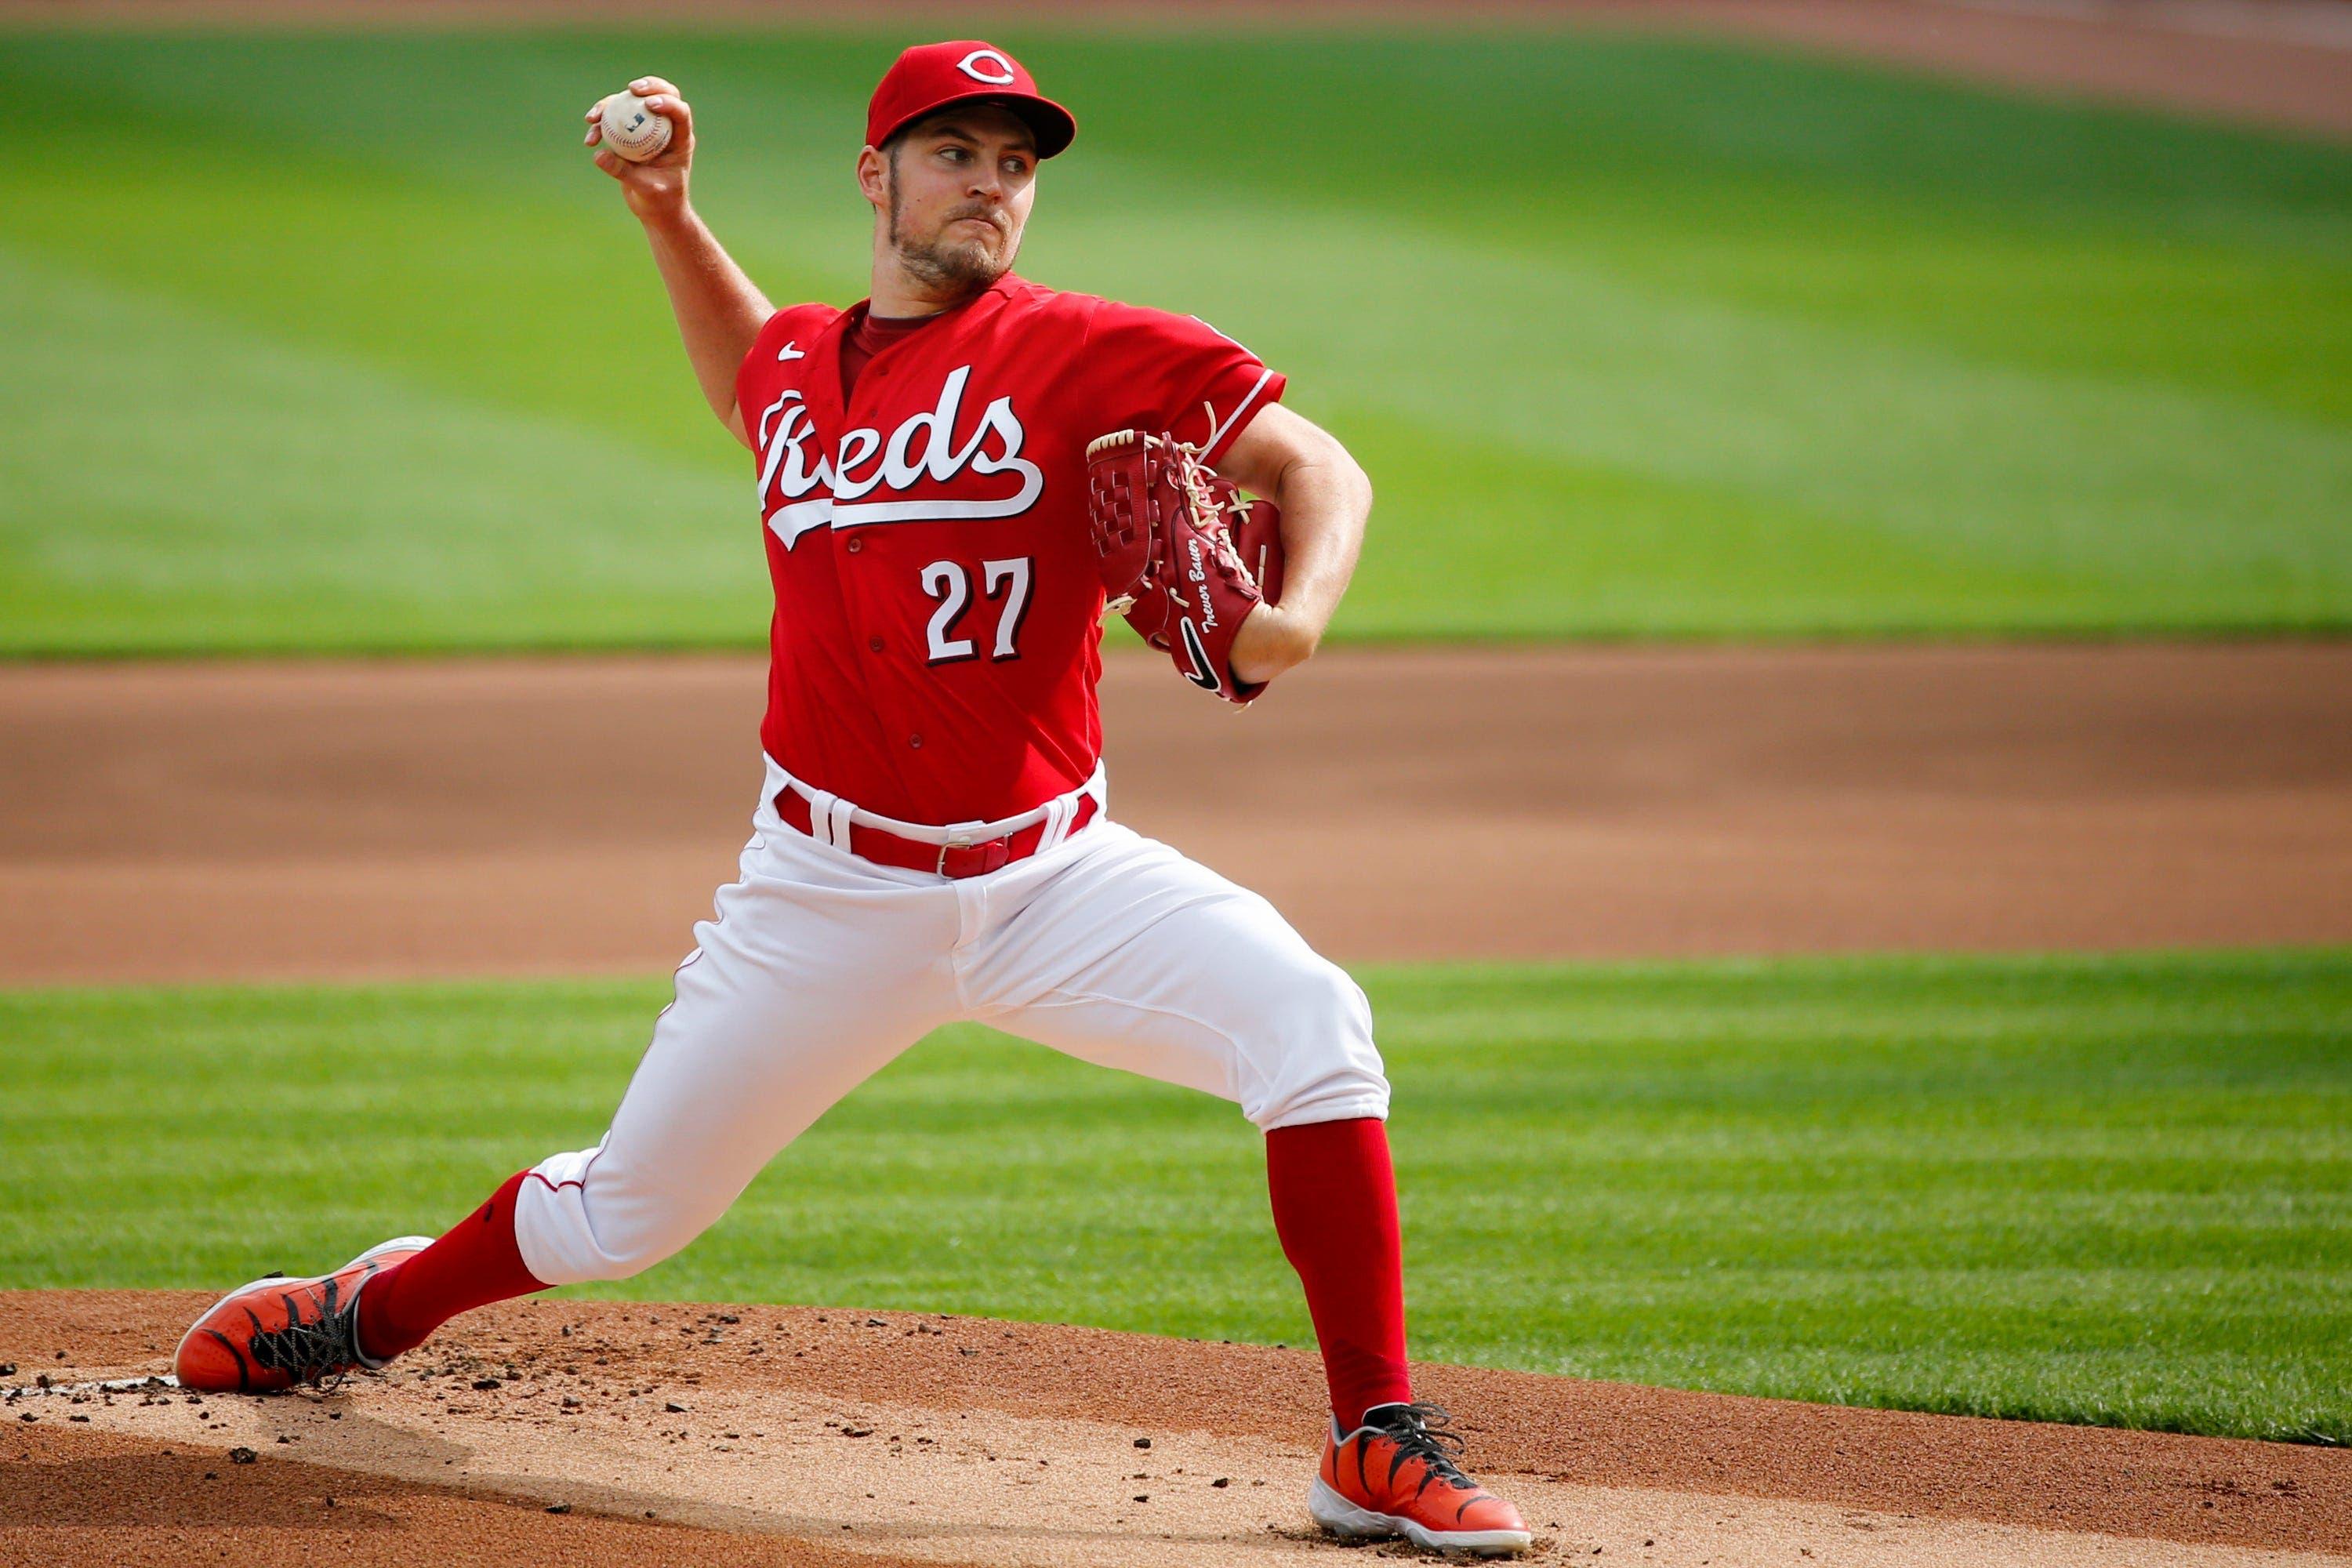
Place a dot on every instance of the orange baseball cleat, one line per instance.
(1395, 1474)
(277, 1332)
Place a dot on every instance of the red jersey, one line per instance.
(937, 640)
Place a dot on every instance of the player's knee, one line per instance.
(584, 1218)
(628, 1234)
(1322, 1065)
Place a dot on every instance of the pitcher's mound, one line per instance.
(616, 1434)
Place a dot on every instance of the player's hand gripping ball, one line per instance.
(631, 130)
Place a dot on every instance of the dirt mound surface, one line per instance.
(726, 1434)
(86, 1494)
(234, 821)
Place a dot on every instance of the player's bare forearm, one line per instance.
(1326, 500)
(720, 310)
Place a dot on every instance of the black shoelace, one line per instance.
(315, 1351)
(1419, 1430)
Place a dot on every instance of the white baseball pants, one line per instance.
(820, 967)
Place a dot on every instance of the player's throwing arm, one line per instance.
(643, 138)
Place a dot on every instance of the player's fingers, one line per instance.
(596, 134)
(611, 162)
(646, 86)
(680, 117)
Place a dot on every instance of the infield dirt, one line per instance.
(793, 1435)
(227, 821)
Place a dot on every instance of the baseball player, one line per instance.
(930, 840)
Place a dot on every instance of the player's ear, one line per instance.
(873, 176)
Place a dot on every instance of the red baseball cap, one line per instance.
(930, 77)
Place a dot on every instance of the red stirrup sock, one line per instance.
(1335, 1209)
(474, 1264)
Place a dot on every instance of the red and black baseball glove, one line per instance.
(1184, 554)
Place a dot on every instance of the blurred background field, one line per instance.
(334, 341)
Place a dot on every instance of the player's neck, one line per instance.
(895, 294)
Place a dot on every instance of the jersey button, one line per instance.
(916, 742)
(874, 643)
(856, 545)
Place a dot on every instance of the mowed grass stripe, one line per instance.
(390, 514)
(1637, 336)
(2014, 490)
(2113, 1189)
(530, 294)
(384, 514)
(2085, 240)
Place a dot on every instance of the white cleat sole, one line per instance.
(1349, 1523)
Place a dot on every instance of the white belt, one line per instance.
(831, 817)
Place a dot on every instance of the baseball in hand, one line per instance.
(631, 130)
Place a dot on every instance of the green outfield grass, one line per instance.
(2113, 1190)
(332, 342)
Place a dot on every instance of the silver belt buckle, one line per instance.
(959, 838)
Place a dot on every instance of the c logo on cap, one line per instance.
(971, 65)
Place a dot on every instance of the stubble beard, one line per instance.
(962, 267)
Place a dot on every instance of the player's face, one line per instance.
(960, 189)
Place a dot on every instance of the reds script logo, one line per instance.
(797, 495)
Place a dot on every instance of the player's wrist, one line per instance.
(669, 217)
